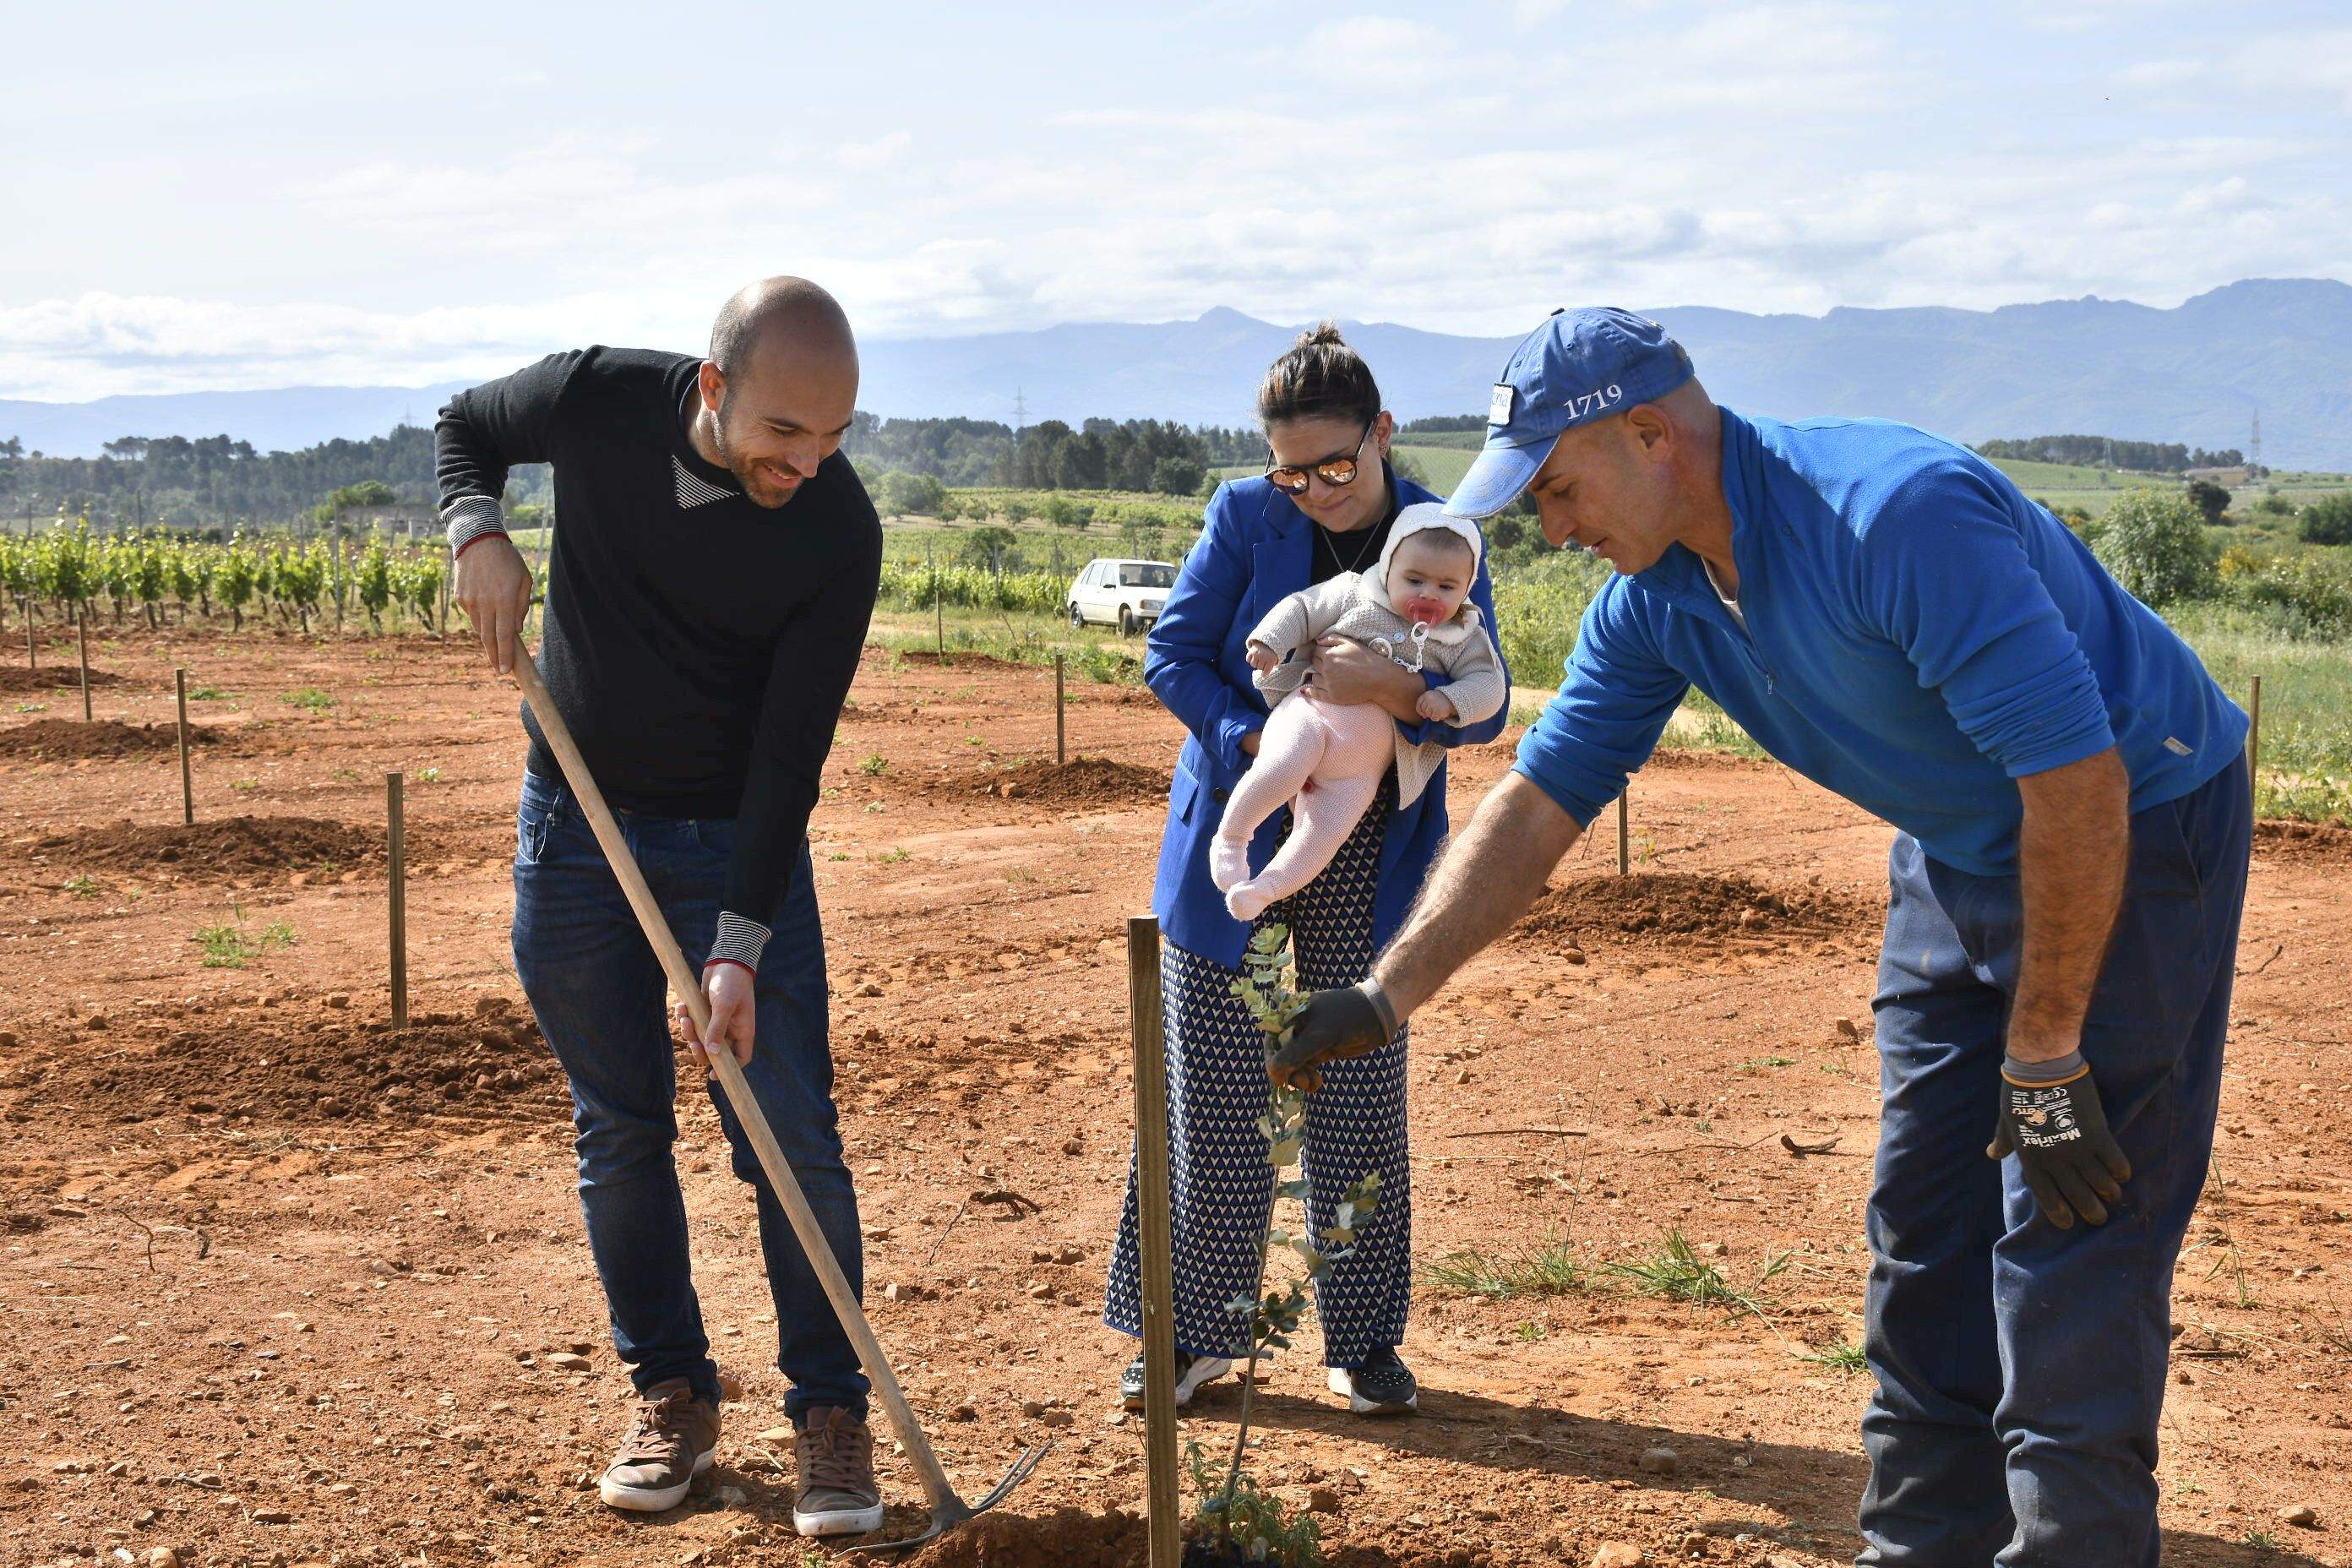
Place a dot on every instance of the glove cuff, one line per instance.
(1370, 989)
(2042, 1075)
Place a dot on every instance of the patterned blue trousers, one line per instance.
(1220, 1182)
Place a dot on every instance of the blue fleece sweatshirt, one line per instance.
(1919, 636)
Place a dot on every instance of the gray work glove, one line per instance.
(2051, 1118)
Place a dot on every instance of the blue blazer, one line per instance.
(1254, 548)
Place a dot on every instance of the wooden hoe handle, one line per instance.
(689, 986)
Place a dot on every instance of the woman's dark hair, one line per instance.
(1319, 377)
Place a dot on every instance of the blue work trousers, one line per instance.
(2020, 1367)
(599, 994)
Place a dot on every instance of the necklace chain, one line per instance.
(1361, 550)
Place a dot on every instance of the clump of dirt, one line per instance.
(2303, 841)
(960, 658)
(305, 1061)
(218, 847)
(63, 738)
(1066, 1538)
(16, 678)
(1083, 781)
(1676, 906)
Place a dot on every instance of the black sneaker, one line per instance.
(1191, 1372)
(1383, 1385)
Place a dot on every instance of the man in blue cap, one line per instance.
(1885, 613)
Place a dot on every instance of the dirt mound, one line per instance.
(218, 847)
(1084, 781)
(16, 678)
(304, 1061)
(960, 658)
(1669, 905)
(1066, 1538)
(2302, 840)
(61, 738)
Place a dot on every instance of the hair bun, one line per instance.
(1318, 376)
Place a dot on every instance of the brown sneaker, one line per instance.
(671, 1439)
(837, 1495)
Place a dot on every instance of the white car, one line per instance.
(1122, 593)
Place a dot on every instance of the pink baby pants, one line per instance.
(1344, 752)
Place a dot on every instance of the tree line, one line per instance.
(1149, 455)
(2106, 452)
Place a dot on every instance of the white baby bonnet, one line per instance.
(1427, 517)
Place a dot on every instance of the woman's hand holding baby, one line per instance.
(1435, 704)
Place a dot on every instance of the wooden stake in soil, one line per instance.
(187, 781)
(32, 648)
(81, 625)
(2254, 733)
(1061, 732)
(1624, 841)
(1155, 1227)
(396, 853)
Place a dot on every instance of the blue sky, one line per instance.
(255, 195)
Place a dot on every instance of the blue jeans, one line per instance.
(2021, 1368)
(599, 994)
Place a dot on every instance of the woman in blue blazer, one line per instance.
(1324, 506)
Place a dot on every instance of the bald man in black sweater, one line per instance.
(714, 568)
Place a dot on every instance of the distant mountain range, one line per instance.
(2196, 374)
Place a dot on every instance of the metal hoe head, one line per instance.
(946, 1515)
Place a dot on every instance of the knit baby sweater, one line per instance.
(1355, 607)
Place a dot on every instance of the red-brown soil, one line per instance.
(2303, 841)
(1676, 906)
(298, 1058)
(265, 1318)
(16, 680)
(226, 847)
(67, 738)
(1081, 782)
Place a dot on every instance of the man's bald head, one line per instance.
(780, 387)
(783, 311)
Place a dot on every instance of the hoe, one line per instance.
(948, 1510)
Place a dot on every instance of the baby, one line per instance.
(1325, 761)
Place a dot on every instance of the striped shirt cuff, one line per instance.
(469, 518)
(738, 942)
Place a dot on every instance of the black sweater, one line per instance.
(698, 646)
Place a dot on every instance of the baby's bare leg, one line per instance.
(1289, 749)
(1358, 749)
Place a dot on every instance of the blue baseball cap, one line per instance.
(1579, 368)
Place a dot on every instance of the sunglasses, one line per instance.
(1339, 469)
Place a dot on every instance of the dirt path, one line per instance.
(283, 1287)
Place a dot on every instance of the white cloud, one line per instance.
(1428, 167)
(873, 154)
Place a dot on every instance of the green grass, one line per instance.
(1839, 1357)
(1677, 1273)
(1548, 1268)
(2306, 738)
(1013, 636)
(81, 886)
(228, 945)
(310, 698)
